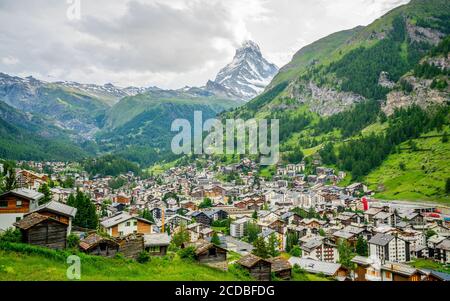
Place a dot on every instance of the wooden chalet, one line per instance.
(41, 230)
(95, 244)
(58, 211)
(281, 268)
(157, 244)
(15, 204)
(29, 179)
(131, 245)
(259, 268)
(206, 252)
(124, 224)
(202, 218)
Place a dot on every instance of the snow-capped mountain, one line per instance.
(107, 90)
(246, 76)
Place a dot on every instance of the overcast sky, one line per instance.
(165, 43)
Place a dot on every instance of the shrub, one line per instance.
(11, 235)
(296, 251)
(143, 257)
(73, 241)
(298, 270)
(187, 253)
(238, 271)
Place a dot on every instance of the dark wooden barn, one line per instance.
(259, 268)
(95, 244)
(130, 246)
(281, 268)
(41, 230)
(206, 252)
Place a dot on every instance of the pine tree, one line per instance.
(47, 194)
(146, 214)
(86, 216)
(260, 248)
(272, 246)
(345, 254)
(10, 179)
(215, 239)
(362, 248)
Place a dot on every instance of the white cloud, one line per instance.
(165, 43)
(10, 60)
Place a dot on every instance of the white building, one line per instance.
(125, 224)
(238, 227)
(387, 247)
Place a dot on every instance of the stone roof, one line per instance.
(250, 260)
(26, 194)
(316, 266)
(279, 264)
(155, 240)
(444, 245)
(381, 239)
(58, 208)
(95, 239)
(33, 219)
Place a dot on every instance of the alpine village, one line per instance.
(361, 191)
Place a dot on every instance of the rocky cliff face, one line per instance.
(422, 93)
(324, 101)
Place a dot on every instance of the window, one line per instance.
(19, 204)
(154, 249)
(120, 233)
(3, 204)
(135, 223)
(128, 224)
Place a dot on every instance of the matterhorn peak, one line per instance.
(249, 44)
(248, 74)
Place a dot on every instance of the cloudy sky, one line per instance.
(165, 43)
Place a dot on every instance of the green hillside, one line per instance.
(21, 267)
(20, 262)
(313, 54)
(139, 128)
(418, 174)
(25, 138)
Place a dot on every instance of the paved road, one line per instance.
(236, 245)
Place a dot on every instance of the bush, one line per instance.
(298, 270)
(11, 235)
(143, 257)
(296, 251)
(73, 241)
(187, 253)
(238, 271)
